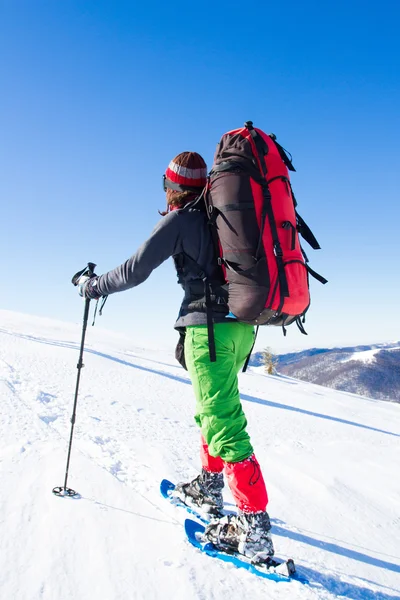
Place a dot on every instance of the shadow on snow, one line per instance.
(342, 589)
(336, 549)
(316, 578)
(186, 380)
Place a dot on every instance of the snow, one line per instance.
(364, 356)
(367, 356)
(330, 460)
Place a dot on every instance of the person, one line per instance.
(183, 234)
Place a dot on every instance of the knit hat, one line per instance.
(186, 171)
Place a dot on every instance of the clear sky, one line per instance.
(97, 96)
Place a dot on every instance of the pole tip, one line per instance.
(65, 491)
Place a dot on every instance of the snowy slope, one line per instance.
(330, 459)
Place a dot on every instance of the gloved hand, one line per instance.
(87, 287)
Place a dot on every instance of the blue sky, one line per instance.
(97, 97)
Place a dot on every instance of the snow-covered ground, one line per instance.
(331, 461)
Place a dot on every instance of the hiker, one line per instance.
(184, 234)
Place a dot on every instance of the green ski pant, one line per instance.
(219, 412)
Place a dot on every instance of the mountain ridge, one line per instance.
(371, 370)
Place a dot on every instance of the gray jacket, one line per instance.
(183, 234)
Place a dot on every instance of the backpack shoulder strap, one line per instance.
(207, 293)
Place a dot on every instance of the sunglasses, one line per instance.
(164, 183)
(168, 184)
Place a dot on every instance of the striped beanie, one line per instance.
(186, 171)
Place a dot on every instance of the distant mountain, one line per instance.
(372, 371)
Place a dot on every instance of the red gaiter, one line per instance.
(208, 462)
(247, 485)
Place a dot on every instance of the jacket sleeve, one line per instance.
(164, 242)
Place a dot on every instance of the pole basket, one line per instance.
(65, 492)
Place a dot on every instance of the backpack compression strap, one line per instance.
(302, 227)
(262, 150)
(284, 154)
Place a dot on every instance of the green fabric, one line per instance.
(219, 412)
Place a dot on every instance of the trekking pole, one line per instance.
(88, 272)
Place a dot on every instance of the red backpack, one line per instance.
(252, 211)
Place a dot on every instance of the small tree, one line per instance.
(270, 361)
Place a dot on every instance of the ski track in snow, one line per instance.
(330, 460)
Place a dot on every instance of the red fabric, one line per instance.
(214, 464)
(187, 169)
(189, 181)
(284, 213)
(247, 485)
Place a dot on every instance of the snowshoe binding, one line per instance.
(204, 493)
(246, 533)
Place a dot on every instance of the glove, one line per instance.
(87, 287)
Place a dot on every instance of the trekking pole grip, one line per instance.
(88, 270)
